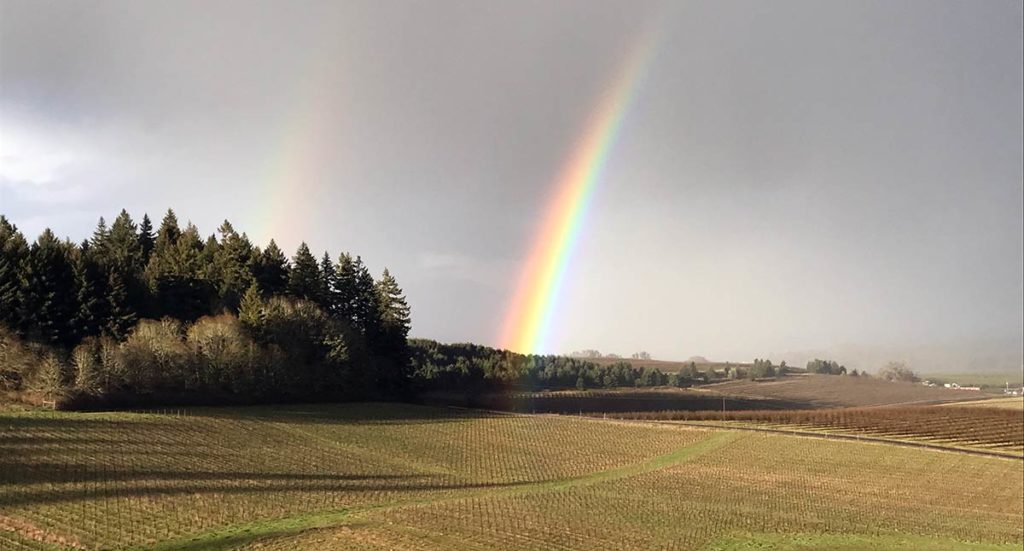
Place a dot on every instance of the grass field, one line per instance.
(389, 476)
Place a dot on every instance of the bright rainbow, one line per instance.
(529, 316)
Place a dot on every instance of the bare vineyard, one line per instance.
(404, 477)
(988, 427)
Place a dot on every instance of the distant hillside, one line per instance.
(842, 391)
(953, 356)
(667, 366)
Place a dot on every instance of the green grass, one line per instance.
(384, 476)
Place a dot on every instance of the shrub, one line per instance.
(154, 357)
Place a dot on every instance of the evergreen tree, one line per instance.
(146, 239)
(13, 252)
(50, 298)
(304, 279)
(329, 285)
(272, 270)
(364, 300)
(91, 313)
(169, 230)
(345, 284)
(162, 260)
(100, 239)
(124, 253)
(121, 316)
(175, 275)
(390, 340)
(207, 267)
(250, 310)
(233, 260)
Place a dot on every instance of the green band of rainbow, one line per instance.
(530, 314)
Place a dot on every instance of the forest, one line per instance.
(136, 315)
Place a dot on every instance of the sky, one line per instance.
(787, 177)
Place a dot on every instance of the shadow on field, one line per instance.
(62, 473)
(214, 484)
(369, 413)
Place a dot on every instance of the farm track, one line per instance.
(851, 437)
(231, 536)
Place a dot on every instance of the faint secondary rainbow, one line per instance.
(294, 177)
(530, 314)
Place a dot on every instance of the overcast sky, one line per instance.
(790, 176)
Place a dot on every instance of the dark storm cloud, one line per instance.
(792, 175)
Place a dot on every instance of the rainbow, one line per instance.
(531, 311)
(293, 176)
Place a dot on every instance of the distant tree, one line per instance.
(825, 367)
(898, 371)
(641, 356)
(854, 373)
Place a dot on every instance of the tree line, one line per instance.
(474, 369)
(135, 312)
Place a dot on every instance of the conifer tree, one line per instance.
(272, 270)
(163, 259)
(50, 299)
(100, 239)
(250, 310)
(329, 285)
(391, 338)
(234, 265)
(364, 300)
(13, 252)
(169, 230)
(208, 268)
(91, 313)
(124, 252)
(345, 288)
(304, 278)
(175, 271)
(146, 238)
(121, 316)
